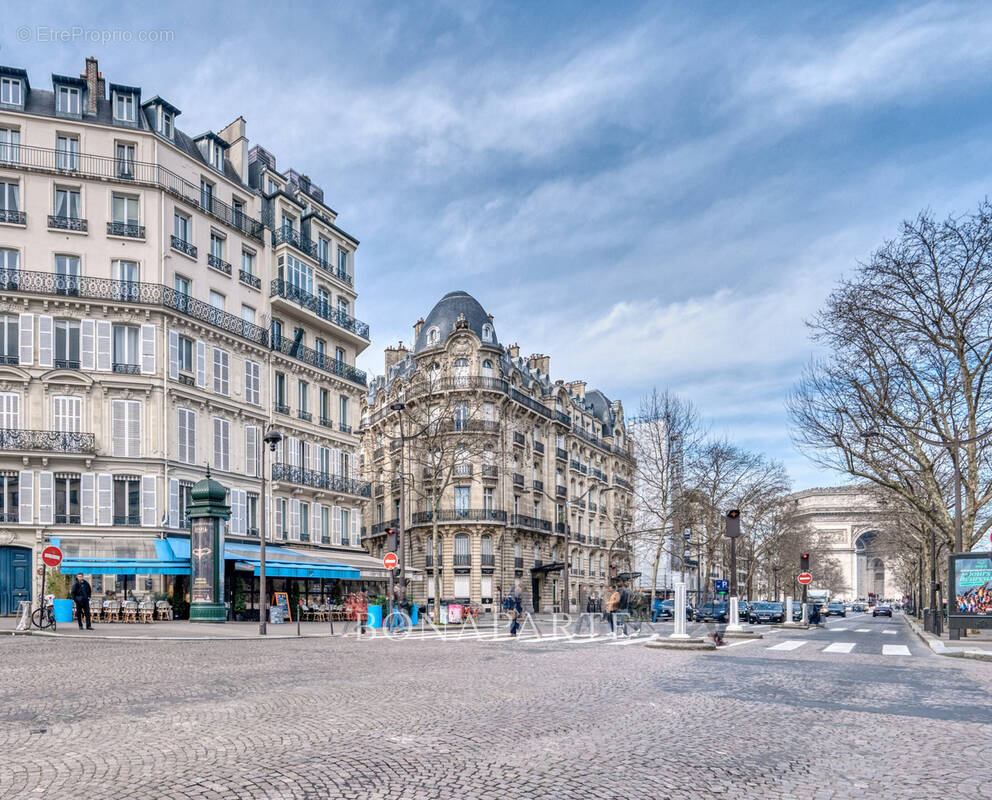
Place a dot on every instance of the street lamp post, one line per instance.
(401, 523)
(271, 438)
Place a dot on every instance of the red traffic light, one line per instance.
(805, 555)
(389, 531)
(734, 514)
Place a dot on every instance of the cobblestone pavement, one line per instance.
(411, 720)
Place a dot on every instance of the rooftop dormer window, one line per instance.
(11, 91)
(217, 159)
(433, 336)
(165, 123)
(124, 107)
(68, 100)
(487, 333)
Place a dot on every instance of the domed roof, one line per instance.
(447, 312)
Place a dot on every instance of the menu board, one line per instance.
(281, 601)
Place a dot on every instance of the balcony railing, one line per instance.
(518, 438)
(561, 527)
(490, 471)
(133, 172)
(538, 447)
(308, 355)
(291, 236)
(518, 479)
(13, 217)
(458, 425)
(378, 453)
(344, 428)
(67, 223)
(518, 562)
(67, 363)
(122, 368)
(9, 516)
(306, 416)
(320, 480)
(561, 491)
(488, 560)
(622, 483)
(463, 471)
(183, 246)
(68, 519)
(218, 263)
(579, 503)
(460, 515)
(599, 474)
(462, 559)
(578, 466)
(321, 308)
(281, 408)
(126, 229)
(249, 280)
(127, 519)
(539, 486)
(563, 418)
(524, 521)
(47, 441)
(562, 454)
(326, 422)
(593, 506)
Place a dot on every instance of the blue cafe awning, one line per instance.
(280, 562)
(111, 555)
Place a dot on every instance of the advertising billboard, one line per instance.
(971, 590)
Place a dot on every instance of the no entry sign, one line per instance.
(52, 556)
(804, 578)
(389, 561)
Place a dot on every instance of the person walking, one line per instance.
(80, 594)
(516, 610)
(612, 604)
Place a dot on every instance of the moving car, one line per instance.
(718, 611)
(834, 610)
(882, 611)
(762, 613)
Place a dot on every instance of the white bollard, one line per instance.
(805, 614)
(735, 617)
(678, 613)
(788, 610)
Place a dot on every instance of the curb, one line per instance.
(664, 643)
(941, 649)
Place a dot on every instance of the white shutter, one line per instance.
(46, 498)
(147, 349)
(307, 464)
(252, 383)
(356, 533)
(336, 462)
(201, 365)
(294, 519)
(104, 348)
(292, 443)
(336, 523)
(133, 429)
(173, 502)
(46, 344)
(10, 415)
(174, 355)
(315, 522)
(25, 489)
(276, 532)
(25, 338)
(118, 428)
(104, 499)
(87, 344)
(149, 504)
(251, 450)
(240, 511)
(87, 498)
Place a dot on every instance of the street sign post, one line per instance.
(389, 561)
(721, 586)
(804, 578)
(52, 556)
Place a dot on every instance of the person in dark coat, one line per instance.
(80, 594)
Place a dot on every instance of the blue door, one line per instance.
(15, 578)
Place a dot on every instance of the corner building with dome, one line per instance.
(544, 495)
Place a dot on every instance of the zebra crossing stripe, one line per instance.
(862, 630)
(839, 647)
(895, 650)
(892, 632)
(791, 644)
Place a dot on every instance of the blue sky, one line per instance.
(653, 194)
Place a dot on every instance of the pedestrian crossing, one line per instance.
(843, 648)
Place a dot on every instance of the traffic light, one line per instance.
(390, 540)
(804, 562)
(733, 524)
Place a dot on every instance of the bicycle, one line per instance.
(44, 617)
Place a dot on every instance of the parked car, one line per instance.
(743, 609)
(717, 611)
(664, 609)
(761, 613)
(882, 611)
(797, 610)
(834, 610)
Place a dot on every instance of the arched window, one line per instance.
(433, 336)
(461, 372)
(487, 333)
(487, 369)
(463, 553)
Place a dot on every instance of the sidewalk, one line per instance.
(182, 630)
(977, 646)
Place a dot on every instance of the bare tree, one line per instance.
(910, 343)
(787, 537)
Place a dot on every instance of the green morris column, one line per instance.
(207, 511)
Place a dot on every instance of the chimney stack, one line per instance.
(394, 355)
(416, 329)
(514, 351)
(540, 362)
(578, 388)
(95, 84)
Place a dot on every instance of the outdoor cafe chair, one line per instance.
(112, 610)
(163, 610)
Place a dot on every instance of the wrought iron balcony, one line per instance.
(563, 418)
(127, 519)
(249, 280)
(463, 471)
(68, 519)
(47, 441)
(126, 369)
(326, 422)
(593, 506)
(66, 363)
(344, 428)
(561, 527)
(561, 491)
(622, 483)
(126, 229)
(218, 263)
(578, 466)
(288, 347)
(524, 521)
(518, 562)
(380, 527)
(320, 480)
(518, 438)
(378, 453)
(13, 217)
(460, 515)
(538, 447)
(67, 223)
(561, 454)
(281, 408)
(183, 246)
(599, 475)
(488, 560)
(490, 471)
(579, 503)
(322, 309)
(291, 236)
(462, 559)
(531, 403)
(457, 425)
(518, 479)
(379, 490)
(10, 516)
(306, 416)
(539, 486)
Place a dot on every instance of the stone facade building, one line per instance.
(544, 488)
(164, 300)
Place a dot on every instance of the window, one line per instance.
(343, 307)
(222, 371)
(217, 300)
(252, 444)
(10, 197)
(9, 498)
(67, 500)
(320, 346)
(325, 525)
(343, 410)
(304, 522)
(66, 344)
(487, 368)
(342, 261)
(462, 500)
(67, 271)
(182, 284)
(125, 428)
(66, 152)
(185, 354)
(67, 413)
(8, 339)
(217, 159)
(248, 262)
(124, 209)
(296, 273)
(487, 499)
(280, 390)
(124, 107)
(206, 195)
(125, 160)
(126, 271)
(323, 250)
(248, 314)
(303, 397)
(67, 100)
(487, 333)
(165, 120)
(253, 393)
(462, 584)
(339, 355)
(222, 443)
(181, 226)
(345, 524)
(460, 416)
(10, 150)
(276, 334)
(238, 207)
(126, 353)
(461, 372)
(217, 246)
(282, 519)
(67, 203)
(127, 501)
(433, 336)
(10, 91)
(325, 407)
(186, 436)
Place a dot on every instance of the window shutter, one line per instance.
(118, 427)
(276, 531)
(133, 429)
(25, 338)
(252, 383)
(336, 461)
(315, 532)
(294, 451)
(201, 365)
(294, 519)
(147, 349)
(25, 487)
(46, 343)
(336, 522)
(87, 498)
(173, 502)
(87, 344)
(306, 456)
(104, 351)
(104, 499)
(149, 506)
(174, 355)
(251, 450)
(10, 417)
(240, 511)
(356, 533)
(46, 498)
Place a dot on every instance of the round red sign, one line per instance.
(52, 556)
(804, 578)
(389, 561)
